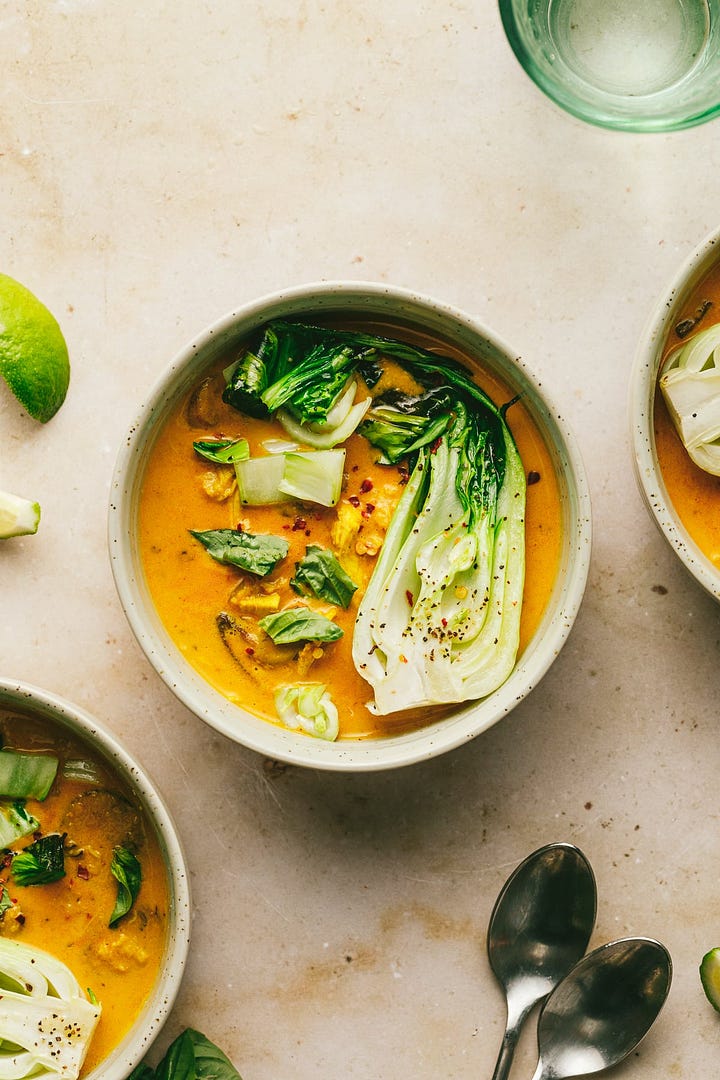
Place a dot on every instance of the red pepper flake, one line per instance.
(354, 501)
(299, 523)
(409, 597)
(83, 873)
(435, 446)
(444, 622)
(250, 651)
(367, 485)
(239, 527)
(369, 508)
(533, 477)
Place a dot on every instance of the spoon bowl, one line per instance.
(539, 928)
(600, 1012)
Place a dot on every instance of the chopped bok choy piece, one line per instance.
(308, 706)
(26, 775)
(690, 385)
(222, 451)
(314, 476)
(440, 619)
(46, 1022)
(15, 822)
(308, 475)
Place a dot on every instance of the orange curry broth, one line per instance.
(189, 588)
(69, 918)
(694, 493)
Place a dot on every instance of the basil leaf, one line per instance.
(256, 554)
(40, 862)
(127, 871)
(299, 624)
(5, 901)
(142, 1072)
(321, 573)
(193, 1057)
(223, 451)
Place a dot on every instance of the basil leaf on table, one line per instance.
(127, 871)
(321, 573)
(192, 1056)
(258, 554)
(299, 624)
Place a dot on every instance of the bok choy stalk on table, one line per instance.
(439, 620)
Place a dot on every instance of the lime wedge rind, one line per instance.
(710, 977)
(34, 360)
(18, 516)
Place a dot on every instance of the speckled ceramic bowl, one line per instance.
(643, 388)
(23, 698)
(383, 303)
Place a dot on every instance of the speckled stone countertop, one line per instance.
(161, 164)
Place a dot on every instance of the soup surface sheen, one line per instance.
(180, 491)
(69, 918)
(694, 493)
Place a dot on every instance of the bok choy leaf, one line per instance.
(15, 822)
(41, 862)
(440, 619)
(46, 1023)
(690, 385)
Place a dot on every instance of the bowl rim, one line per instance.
(641, 408)
(27, 697)
(271, 740)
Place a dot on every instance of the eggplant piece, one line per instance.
(252, 648)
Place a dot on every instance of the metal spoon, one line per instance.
(603, 1008)
(539, 928)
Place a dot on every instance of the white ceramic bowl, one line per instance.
(468, 720)
(643, 384)
(23, 698)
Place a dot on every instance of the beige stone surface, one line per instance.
(162, 163)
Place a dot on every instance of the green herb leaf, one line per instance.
(41, 862)
(127, 871)
(223, 451)
(5, 901)
(142, 1072)
(256, 554)
(299, 624)
(193, 1057)
(321, 573)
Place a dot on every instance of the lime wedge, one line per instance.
(18, 516)
(710, 977)
(33, 354)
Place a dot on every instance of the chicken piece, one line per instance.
(307, 656)
(121, 953)
(219, 484)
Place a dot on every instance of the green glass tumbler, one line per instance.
(633, 65)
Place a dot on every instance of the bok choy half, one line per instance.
(439, 621)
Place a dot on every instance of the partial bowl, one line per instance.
(679, 305)
(383, 305)
(31, 701)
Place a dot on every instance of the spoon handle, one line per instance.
(507, 1049)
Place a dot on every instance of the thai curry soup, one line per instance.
(212, 610)
(67, 895)
(694, 493)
